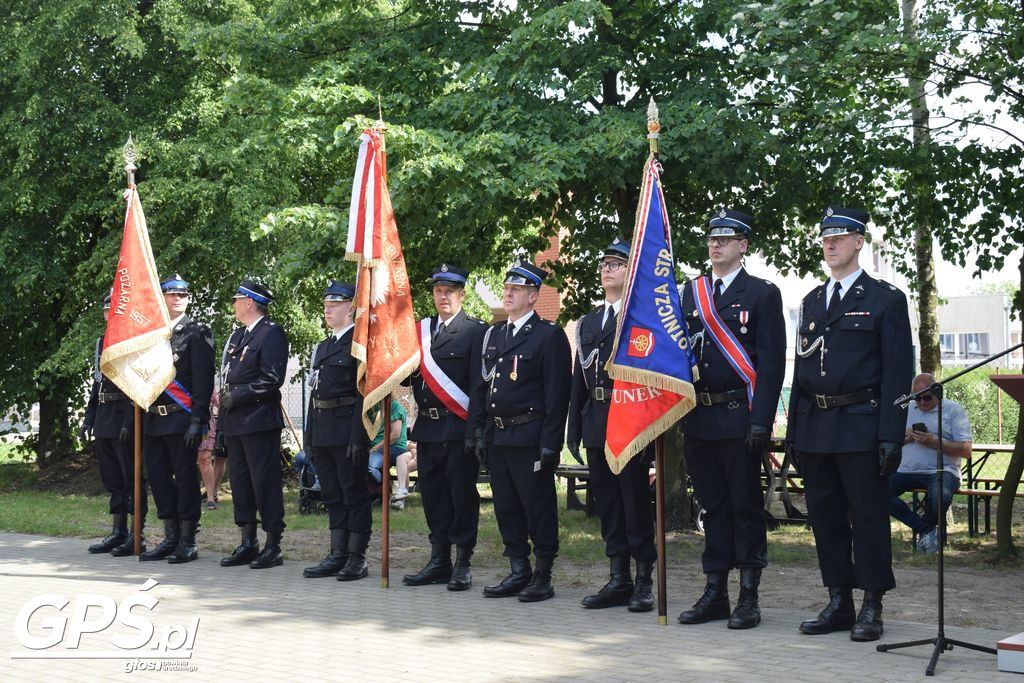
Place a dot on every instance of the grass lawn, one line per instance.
(51, 514)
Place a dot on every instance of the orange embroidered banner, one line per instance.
(137, 353)
(384, 339)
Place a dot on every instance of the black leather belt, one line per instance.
(434, 413)
(706, 398)
(505, 422)
(111, 397)
(601, 394)
(827, 402)
(165, 409)
(327, 403)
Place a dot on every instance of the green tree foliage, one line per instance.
(507, 123)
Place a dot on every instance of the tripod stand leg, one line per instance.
(980, 648)
(896, 646)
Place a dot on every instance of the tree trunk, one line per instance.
(677, 501)
(54, 441)
(1004, 509)
(922, 186)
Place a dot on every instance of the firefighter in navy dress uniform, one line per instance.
(173, 429)
(447, 467)
(110, 420)
(250, 422)
(735, 321)
(518, 413)
(624, 500)
(338, 442)
(854, 359)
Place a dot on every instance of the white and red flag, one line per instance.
(384, 341)
(137, 353)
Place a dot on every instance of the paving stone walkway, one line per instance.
(274, 625)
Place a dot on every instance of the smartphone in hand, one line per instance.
(919, 427)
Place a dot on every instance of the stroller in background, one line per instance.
(310, 499)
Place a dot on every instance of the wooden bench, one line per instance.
(577, 481)
(974, 496)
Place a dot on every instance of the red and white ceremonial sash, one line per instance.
(723, 336)
(443, 386)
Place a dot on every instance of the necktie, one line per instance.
(508, 330)
(607, 315)
(718, 288)
(437, 330)
(833, 304)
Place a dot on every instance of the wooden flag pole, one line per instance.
(385, 475)
(130, 155)
(659, 512)
(139, 493)
(385, 493)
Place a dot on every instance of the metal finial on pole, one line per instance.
(382, 128)
(380, 125)
(130, 155)
(653, 126)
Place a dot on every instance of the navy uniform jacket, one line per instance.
(256, 362)
(336, 378)
(192, 345)
(764, 340)
(107, 419)
(543, 361)
(588, 418)
(869, 345)
(456, 350)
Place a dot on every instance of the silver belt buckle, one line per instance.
(434, 415)
(599, 393)
(498, 422)
(161, 410)
(822, 401)
(704, 398)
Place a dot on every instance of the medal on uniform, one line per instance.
(744, 317)
(514, 375)
(244, 349)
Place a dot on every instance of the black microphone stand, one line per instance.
(940, 641)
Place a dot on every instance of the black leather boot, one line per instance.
(335, 560)
(642, 599)
(128, 547)
(355, 567)
(713, 604)
(747, 613)
(247, 551)
(186, 550)
(118, 533)
(518, 579)
(869, 621)
(172, 534)
(619, 588)
(540, 587)
(271, 556)
(837, 616)
(437, 570)
(462, 578)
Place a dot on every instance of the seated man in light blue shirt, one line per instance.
(917, 470)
